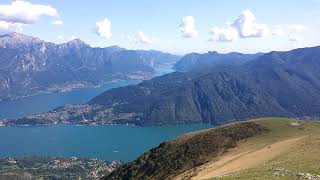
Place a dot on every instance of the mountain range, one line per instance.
(29, 65)
(275, 84)
(199, 62)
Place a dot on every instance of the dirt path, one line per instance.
(237, 162)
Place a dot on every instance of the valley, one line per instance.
(159, 90)
(215, 95)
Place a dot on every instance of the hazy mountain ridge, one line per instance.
(29, 65)
(283, 84)
(199, 62)
(277, 84)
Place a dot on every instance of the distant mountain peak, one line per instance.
(77, 43)
(114, 47)
(17, 39)
(213, 52)
(19, 36)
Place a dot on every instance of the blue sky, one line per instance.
(158, 23)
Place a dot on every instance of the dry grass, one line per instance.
(288, 151)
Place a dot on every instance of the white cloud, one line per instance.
(297, 28)
(60, 37)
(247, 26)
(142, 38)
(188, 27)
(128, 37)
(139, 38)
(57, 23)
(244, 26)
(277, 31)
(295, 37)
(103, 28)
(226, 34)
(295, 32)
(6, 27)
(25, 12)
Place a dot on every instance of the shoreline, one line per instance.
(100, 125)
(85, 84)
(65, 90)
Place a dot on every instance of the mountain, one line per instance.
(270, 148)
(282, 84)
(198, 62)
(158, 58)
(276, 84)
(29, 65)
(172, 158)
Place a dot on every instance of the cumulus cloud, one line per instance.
(139, 38)
(142, 38)
(25, 12)
(6, 27)
(103, 28)
(297, 28)
(57, 23)
(277, 31)
(188, 27)
(247, 26)
(226, 34)
(295, 32)
(295, 37)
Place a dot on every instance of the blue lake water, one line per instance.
(103, 142)
(48, 101)
(110, 142)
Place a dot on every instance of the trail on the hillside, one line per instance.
(235, 162)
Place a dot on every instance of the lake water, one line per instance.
(110, 142)
(48, 101)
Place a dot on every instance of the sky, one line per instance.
(175, 26)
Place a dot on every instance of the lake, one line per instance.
(48, 101)
(108, 142)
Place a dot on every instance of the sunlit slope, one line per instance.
(262, 148)
(291, 150)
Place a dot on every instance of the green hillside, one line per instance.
(257, 149)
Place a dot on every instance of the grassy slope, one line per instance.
(269, 148)
(302, 157)
(174, 157)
